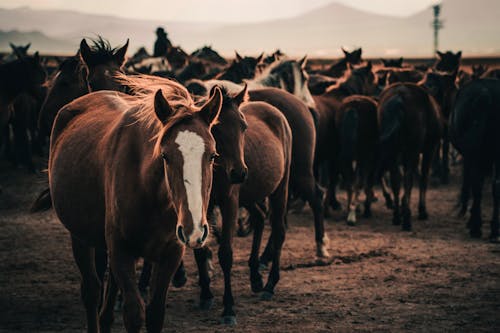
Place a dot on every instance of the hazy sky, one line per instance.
(216, 10)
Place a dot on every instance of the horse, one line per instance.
(337, 69)
(477, 72)
(357, 81)
(410, 124)
(177, 57)
(448, 61)
(148, 162)
(357, 125)
(441, 85)
(102, 62)
(263, 134)
(408, 75)
(474, 125)
(18, 51)
(392, 63)
(22, 76)
(68, 83)
(209, 54)
(92, 69)
(241, 68)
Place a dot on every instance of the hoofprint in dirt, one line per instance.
(380, 278)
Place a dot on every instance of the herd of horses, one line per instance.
(142, 150)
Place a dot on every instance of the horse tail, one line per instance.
(348, 136)
(390, 130)
(42, 203)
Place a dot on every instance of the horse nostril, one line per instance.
(180, 234)
(205, 234)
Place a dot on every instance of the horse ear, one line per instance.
(36, 57)
(440, 54)
(303, 62)
(345, 52)
(162, 108)
(259, 58)
(120, 54)
(85, 51)
(14, 48)
(369, 65)
(242, 95)
(211, 110)
(27, 47)
(459, 54)
(238, 57)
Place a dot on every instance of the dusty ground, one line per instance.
(433, 279)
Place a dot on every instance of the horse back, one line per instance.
(268, 150)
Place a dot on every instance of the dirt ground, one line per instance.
(434, 279)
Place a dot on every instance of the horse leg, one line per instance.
(180, 277)
(352, 184)
(389, 203)
(253, 262)
(123, 266)
(332, 200)
(278, 203)
(475, 221)
(424, 181)
(409, 173)
(229, 210)
(494, 235)
(396, 187)
(445, 169)
(466, 186)
(101, 262)
(369, 195)
(144, 279)
(106, 317)
(90, 286)
(206, 297)
(160, 279)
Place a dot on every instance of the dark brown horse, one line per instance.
(22, 76)
(356, 121)
(474, 131)
(267, 152)
(448, 61)
(410, 124)
(148, 165)
(338, 68)
(68, 83)
(241, 68)
(357, 81)
(102, 62)
(209, 54)
(177, 57)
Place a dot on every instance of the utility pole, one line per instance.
(437, 24)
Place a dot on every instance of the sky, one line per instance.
(217, 10)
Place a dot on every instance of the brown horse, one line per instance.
(356, 121)
(267, 149)
(410, 124)
(147, 161)
(302, 122)
(357, 81)
(241, 68)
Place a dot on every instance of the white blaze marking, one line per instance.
(192, 147)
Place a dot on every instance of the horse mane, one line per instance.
(101, 50)
(143, 89)
(228, 89)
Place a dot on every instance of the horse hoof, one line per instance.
(322, 252)
(351, 218)
(266, 295)
(423, 215)
(228, 320)
(206, 304)
(257, 285)
(179, 282)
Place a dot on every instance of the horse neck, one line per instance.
(340, 64)
(345, 89)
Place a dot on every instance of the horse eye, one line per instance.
(213, 156)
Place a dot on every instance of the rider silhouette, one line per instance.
(162, 43)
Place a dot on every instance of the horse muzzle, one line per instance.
(196, 239)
